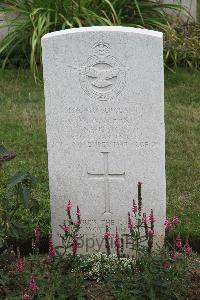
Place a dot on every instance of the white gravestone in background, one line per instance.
(105, 126)
(189, 5)
(3, 30)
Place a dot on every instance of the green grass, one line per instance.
(23, 130)
(182, 117)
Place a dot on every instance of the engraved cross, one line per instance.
(106, 176)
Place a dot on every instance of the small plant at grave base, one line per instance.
(70, 230)
(106, 236)
(20, 263)
(160, 272)
(52, 253)
(32, 290)
(117, 243)
(141, 231)
(36, 240)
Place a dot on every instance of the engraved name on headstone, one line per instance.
(104, 103)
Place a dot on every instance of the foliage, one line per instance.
(155, 275)
(70, 232)
(34, 18)
(16, 195)
(72, 278)
(182, 46)
(160, 278)
(100, 266)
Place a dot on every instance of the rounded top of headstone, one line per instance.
(103, 29)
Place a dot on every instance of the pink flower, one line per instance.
(117, 243)
(166, 265)
(175, 220)
(188, 249)
(151, 217)
(74, 245)
(64, 227)
(37, 233)
(144, 219)
(32, 284)
(51, 248)
(107, 235)
(150, 232)
(134, 209)
(130, 222)
(77, 223)
(117, 240)
(130, 225)
(173, 256)
(20, 265)
(26, 297)
(167, 224)
(68, 206)
(19, 262)
(178, 241)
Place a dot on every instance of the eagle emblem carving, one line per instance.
(102, 77)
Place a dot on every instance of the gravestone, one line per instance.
(5, 20)
(3, 30)
(105, 126)
(189, 5)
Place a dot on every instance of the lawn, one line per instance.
(22, 130)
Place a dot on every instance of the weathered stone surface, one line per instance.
(190, 5)
(3, 30)
(4, 23)
(105, 126)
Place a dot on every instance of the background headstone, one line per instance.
(190, 5)
(3, 30)
(4, 23)
(105, 126)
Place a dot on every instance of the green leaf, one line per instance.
(19, 177)
(13, 230)
(26, 195)
(34, 206)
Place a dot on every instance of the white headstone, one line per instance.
(105, 126)
(3, 30)
(5, 20)
(189, 5)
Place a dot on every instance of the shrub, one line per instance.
(34, 18)
(182, 46)
(162, 274)
(16, 196)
